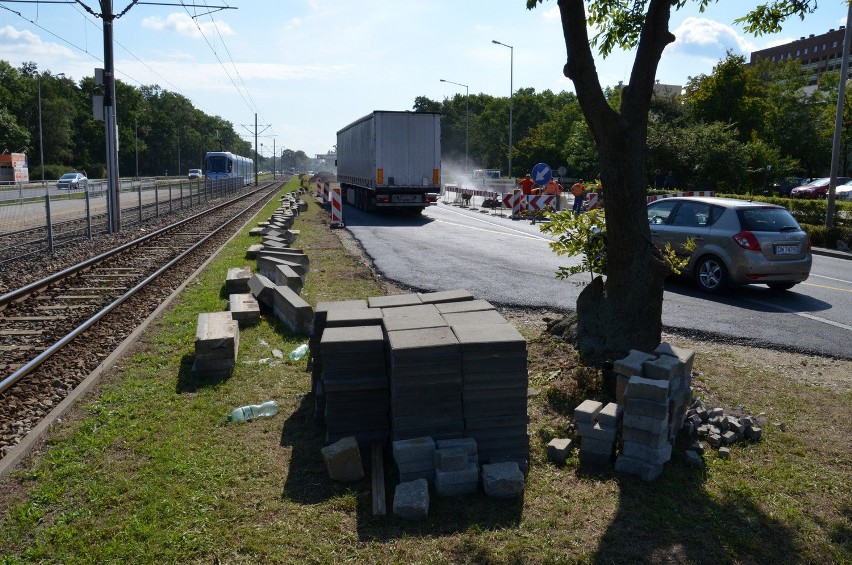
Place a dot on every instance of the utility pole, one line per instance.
(110, 125)
(255, 149)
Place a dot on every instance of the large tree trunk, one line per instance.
(625, 311)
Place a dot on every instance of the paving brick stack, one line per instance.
(456, 467)
(495, 380)
(217, 341)
(415, 459)
(355, 384)
(597, 426)
(425, 383)
(645, 434)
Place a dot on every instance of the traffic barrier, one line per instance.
(650, 199)
(592, 200)
(537, 202)
(336, 208)
(325, 195)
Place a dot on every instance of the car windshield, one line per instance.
(69, 175)
(767, 219)
(820, 182)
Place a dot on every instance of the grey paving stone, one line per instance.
(502, 480)
(411, 500)
(393, 300)
(447, 296)
(632, 364)
(466, 306)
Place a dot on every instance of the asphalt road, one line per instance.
(509, 262)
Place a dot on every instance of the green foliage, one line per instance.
(579, 234)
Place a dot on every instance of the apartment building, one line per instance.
(816, 53)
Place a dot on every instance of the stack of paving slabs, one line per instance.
(415, 459)
(217, 340)
(426, 380)
(597, 426)
(344, 314)
(456, 467)
(495, 382)
(355, 384)
(656, 399)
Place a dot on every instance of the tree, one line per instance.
(625, 311)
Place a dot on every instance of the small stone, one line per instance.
(724, 453)
(754, 433)
(693, 459)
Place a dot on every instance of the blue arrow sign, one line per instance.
(541, 174)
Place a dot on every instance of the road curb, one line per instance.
(831, 253)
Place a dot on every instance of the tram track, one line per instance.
(55, 330)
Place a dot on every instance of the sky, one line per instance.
(308, 68)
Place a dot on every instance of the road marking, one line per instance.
(831, 279)
(802, 314)
(520, 234)
(826, 287)
(523, 233)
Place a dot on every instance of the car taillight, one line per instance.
(746, 240)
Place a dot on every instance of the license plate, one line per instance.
(405, 198)
(786, 249)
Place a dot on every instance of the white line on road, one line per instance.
(802, 314)
(831, 279)
(509, 228)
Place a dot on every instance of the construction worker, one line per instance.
(579, 192)
(555, 189)
(527, 186)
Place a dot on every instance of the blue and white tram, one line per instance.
(226, 165)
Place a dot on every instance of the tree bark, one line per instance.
(625, 311)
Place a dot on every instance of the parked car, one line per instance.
(737, 242)
(194, 174)
(71, 181)
(785, 185)
(843, 191)
(816, 189)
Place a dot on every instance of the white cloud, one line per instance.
(708, 39)
(16, 43)
(186, 26)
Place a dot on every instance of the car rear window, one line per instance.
(767, 219)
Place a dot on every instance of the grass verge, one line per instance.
(147, 470)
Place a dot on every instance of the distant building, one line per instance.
(817, 54)
(661, 90)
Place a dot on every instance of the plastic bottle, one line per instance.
(299, 352)
(252, 411)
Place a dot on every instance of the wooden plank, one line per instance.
(378, 468)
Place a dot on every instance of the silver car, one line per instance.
(736, 242)
(72, 181)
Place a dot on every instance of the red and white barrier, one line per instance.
(514, 200)
(592, 200)
(325, 193)
(336, 208)
(539, 202)
(650, 199)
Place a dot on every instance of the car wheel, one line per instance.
(781, 286)
(711, 274)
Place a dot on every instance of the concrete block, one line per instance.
(597, 432)
(343, 460)
(293, 311)
(451, 459)
(587, 411)
(411, 500)
(244, 309)
(217, 336)
(646, 471)
(237, 279)
(405, 450)
(558, 450)
(263, 290)
(685, 356)
(655, 455)
(662, 368)
(643, 407)
(632, 364)
(754, 433)
(502, 480)
(457, 482)
(650, 439)
(620, 386)
(266, 266)
(602, 447)
(610, 414)
(649, 389)
(590, 459)
(729, 438)
(653, 425)
(286, 276)
(251, 252)
(724, 453)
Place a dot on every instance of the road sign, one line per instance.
(542, 173)
(562, 171)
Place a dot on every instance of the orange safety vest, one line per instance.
(552, 187)
(578, 189)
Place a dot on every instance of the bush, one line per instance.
(822, 236)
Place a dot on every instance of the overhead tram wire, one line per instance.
(86, 52)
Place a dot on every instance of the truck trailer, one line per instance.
(391, 160)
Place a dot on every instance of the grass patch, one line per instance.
(148, 470)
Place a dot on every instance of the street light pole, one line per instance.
(40, 138)
(466, 122)
(511, 92)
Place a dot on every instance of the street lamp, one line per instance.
(511, 91)
(466, 122)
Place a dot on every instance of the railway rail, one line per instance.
(87, 309)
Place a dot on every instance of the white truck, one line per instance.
(391, 160)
